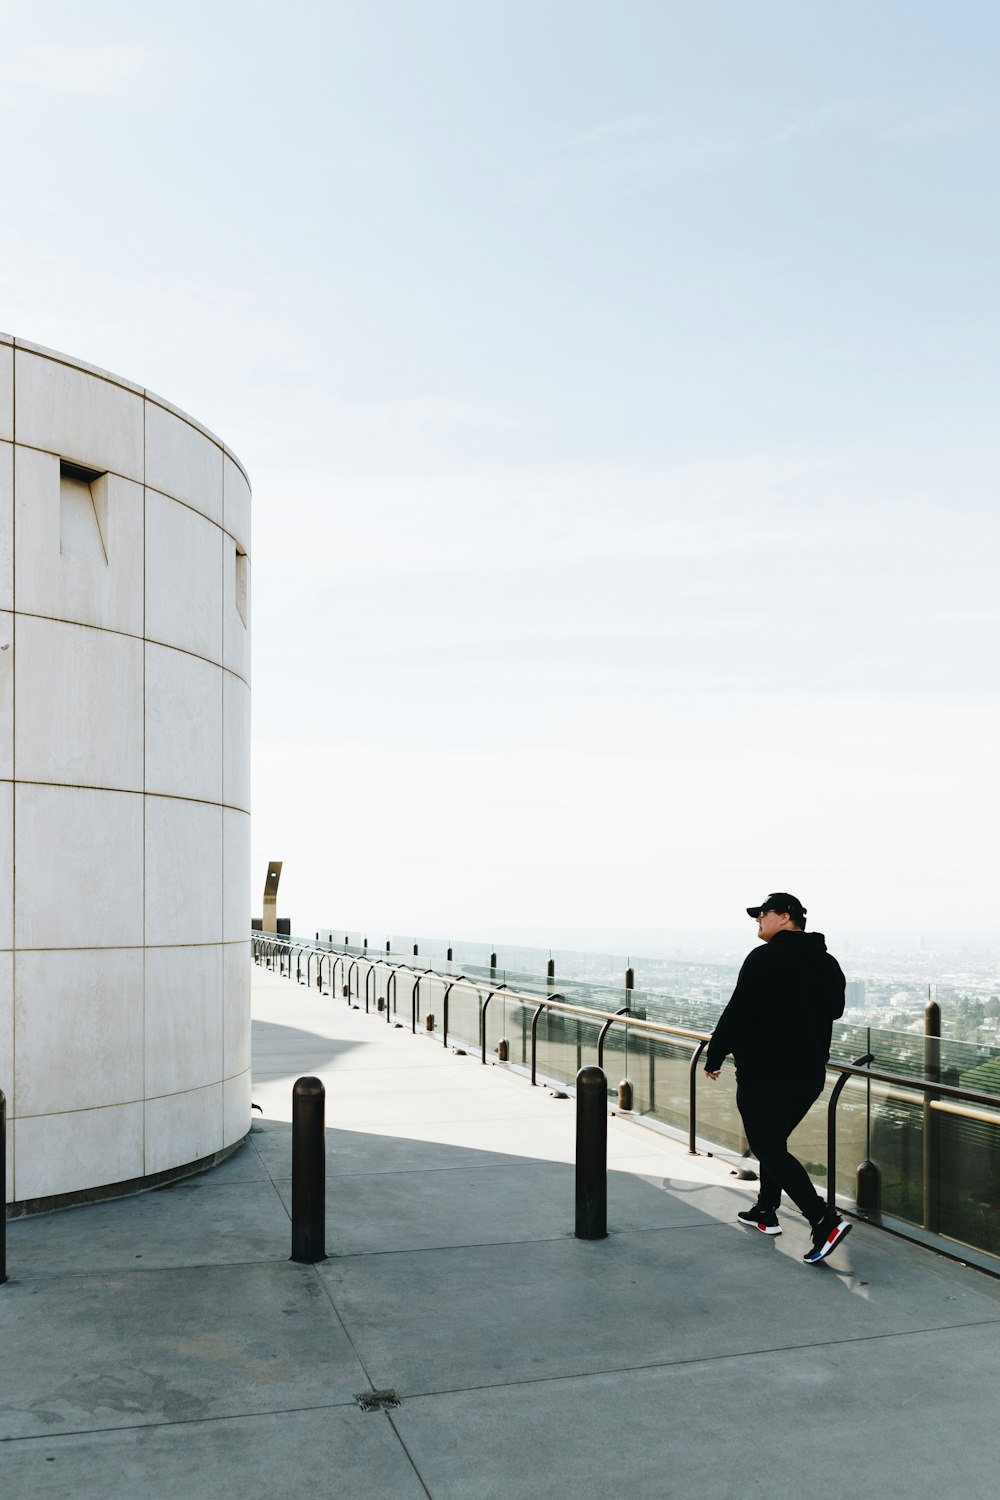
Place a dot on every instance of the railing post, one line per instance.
(308, 1171)
(534, 1045)
(868, 1190)
(831, 1128)
(591, 1154)
(693, 1099)
(3, 1187)
(932, 1140)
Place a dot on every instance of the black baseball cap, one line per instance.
(779, 901)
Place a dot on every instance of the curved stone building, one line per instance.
(124, 783)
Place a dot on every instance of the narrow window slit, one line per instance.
(83, 512)
(241, 584)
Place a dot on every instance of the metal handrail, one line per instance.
(534, 1038)
(482, 1016)
(413, 997)
(458, 979)
(558, 1004)
(858, 1066)
(693, 1096)
(625, 1011)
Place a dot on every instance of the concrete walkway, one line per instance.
(164, 1346)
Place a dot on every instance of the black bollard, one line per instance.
(625, 1094)
(308, 1171)
(3, 1187)
(869, 1189)
(591, 1154)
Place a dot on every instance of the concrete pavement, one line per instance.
(165, 1346)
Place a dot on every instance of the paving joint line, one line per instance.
(548, 1239)
(409, 1455)
(704, 1359)
(235, 1416)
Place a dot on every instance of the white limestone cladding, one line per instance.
(124, 781)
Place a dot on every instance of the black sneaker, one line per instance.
(826, 1236)
(764, 1219)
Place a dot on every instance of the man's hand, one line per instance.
(714, 1076)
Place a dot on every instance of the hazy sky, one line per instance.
(618, 383)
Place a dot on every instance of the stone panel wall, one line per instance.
(124, 781)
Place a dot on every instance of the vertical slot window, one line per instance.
(83, 513)
(241, 584)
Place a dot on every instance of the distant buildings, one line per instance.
(855, 997)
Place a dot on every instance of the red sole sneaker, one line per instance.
(825, 1247)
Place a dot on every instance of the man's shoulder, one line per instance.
(756, 956)
(755, 964)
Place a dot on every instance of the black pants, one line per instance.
(771, 1108)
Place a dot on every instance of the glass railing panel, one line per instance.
(966, 1203)
(464, 1005)
(430, 1002)
(658, 1069)
(853, 1135)
(619, 1054)
(512, 1022)
(718, 1119)
(897, 1148)
(566, 1044)
(498, 1014)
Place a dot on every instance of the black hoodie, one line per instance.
(787, 997)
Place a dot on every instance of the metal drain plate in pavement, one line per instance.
(377, 1400)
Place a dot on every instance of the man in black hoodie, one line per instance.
(777, 1026)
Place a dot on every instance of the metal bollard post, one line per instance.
(503, 1049)
(308, 1171)
(3, 1187)
(625, 1094)
(591, 1154)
